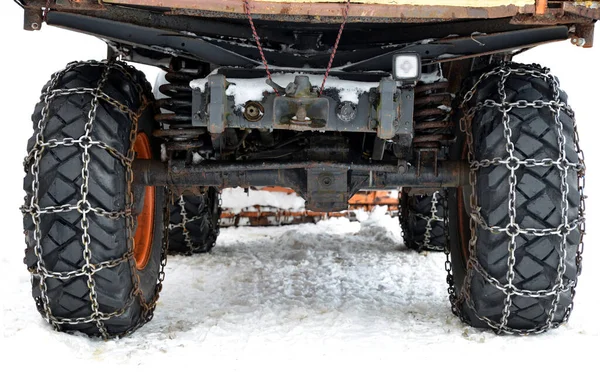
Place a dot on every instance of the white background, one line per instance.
(337, 295)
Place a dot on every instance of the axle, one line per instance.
(327, 186)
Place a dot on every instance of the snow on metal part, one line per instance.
(244, 90)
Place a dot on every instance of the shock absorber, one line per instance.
(433, 124)
(176, 109)
(175, 116)
(434, 127)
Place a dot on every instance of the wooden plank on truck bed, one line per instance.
(456, 3)
(360, 10)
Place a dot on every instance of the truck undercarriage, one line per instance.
(360, 119)
(330, 98)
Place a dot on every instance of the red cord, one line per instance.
(257, 39)
(335, 46)
(46, 10)
(345, 12)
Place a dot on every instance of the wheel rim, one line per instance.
(142, 241)
(462, 214)
(462, 221)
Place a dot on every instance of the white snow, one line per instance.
(337, 289)
(335, 296)
(244, 90)
(196, 158)
(432, 77)
(236, 199)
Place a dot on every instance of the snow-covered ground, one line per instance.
(236, 199)
(337, 295)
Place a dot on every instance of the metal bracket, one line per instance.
(32, 19)
(395, 117)
(387, 109)
(300, 113)
(405, 129)
(198, 108)
(327, 189)
(218, 102)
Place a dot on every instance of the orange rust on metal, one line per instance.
(433, 125)
(67, 5)
(585, 31)
(357, 11)
(281, 213)
(541, 6)
(283, 217)
(372, 198)
(265, 215)
(277, 189)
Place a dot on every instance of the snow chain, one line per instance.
(185, 220)
(512, 229)
(433, 217)
(83, 206)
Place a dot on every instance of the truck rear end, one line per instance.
(327, 98)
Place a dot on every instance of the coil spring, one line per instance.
(176, 109)
(433, 123)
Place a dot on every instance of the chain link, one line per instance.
(430, 219)
(83, 206)
(184, 221)
(448, 263)
(213, 231)
(512, 229)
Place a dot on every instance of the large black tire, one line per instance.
(519, 285)
(194, 225)
(81, 255)
(423, 227)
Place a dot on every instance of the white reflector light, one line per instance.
(407, 66)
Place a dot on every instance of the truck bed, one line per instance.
(299, 33)
(360, 10)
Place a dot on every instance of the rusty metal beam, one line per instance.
(588, 9)
(293, 174)
(65, 4)
(549, 19)
(319, 10)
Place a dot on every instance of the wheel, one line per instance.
(194, 223)
(515, 256)
(422, 221)
(94, 240)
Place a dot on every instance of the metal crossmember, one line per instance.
(345, 12)
(512, 229)
(84, 206)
